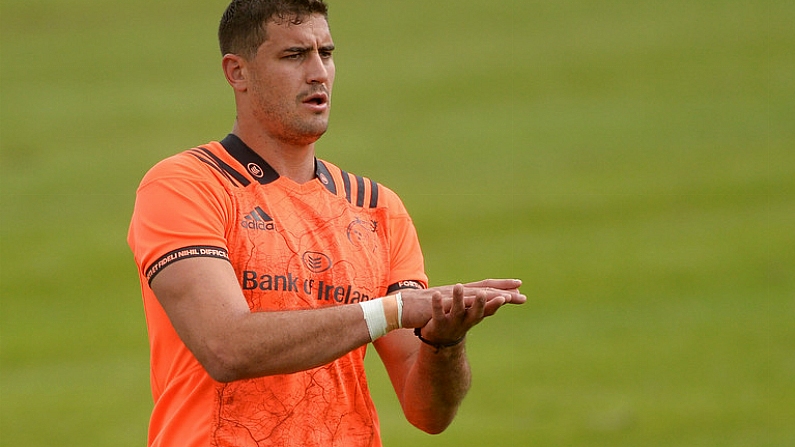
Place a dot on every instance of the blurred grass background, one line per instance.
(632, 162)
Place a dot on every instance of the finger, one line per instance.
(519, 299)
(477, 311)
(492, 293)
(437, 307)
(511, 296)
(459, 308)
(502, 284)
(493, 306)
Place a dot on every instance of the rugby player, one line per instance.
(266, 272)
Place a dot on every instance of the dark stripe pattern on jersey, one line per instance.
(219, 165)
(408, 284)
(373, 194)
(346, 182)
(360, 192)
(196, 251)
(263, 173)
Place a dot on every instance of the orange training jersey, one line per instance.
(338, 239)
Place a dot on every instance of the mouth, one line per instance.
(318, 101)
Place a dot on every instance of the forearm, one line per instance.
(284, 342)
(436, 386)
(204, 302)
(431, 383)
(268, 343)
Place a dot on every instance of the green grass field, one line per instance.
(631, 161)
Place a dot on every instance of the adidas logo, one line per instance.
(258, 220)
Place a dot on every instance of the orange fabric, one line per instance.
(338, 239)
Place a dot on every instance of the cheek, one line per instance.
(331, 72)
(270, 95)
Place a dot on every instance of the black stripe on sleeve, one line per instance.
(209, 162)
(195, 251)
(346, 182)
(408, 284)
(359, 191)
(229, 170)
(373, 194)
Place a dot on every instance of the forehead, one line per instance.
(312, 30)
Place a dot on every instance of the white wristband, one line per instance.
(374, 317)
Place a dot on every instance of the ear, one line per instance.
(235, 71)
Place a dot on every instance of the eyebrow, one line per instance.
(308, 49)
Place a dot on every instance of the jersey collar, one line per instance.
(256, 167)
(261, 171)
(254, 164)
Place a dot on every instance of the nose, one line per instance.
(318, 69)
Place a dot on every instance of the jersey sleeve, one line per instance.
(180, 212)
(407, 265)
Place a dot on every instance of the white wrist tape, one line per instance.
(383, 315)
(374, 317)
(399, 300)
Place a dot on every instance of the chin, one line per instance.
(306, 137)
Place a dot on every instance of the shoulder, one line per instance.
(358, 190)
(185, 164)
(203, 164)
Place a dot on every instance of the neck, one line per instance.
(296, 162)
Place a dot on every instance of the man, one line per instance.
(266, 272)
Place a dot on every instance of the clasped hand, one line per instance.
(447, 313)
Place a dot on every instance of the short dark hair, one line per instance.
(242, 28)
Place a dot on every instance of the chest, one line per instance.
(306, 249)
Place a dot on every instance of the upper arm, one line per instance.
(202, 298)
(177, 235)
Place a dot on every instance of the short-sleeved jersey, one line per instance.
(338, 239)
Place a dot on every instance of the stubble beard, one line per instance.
(290, 126)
